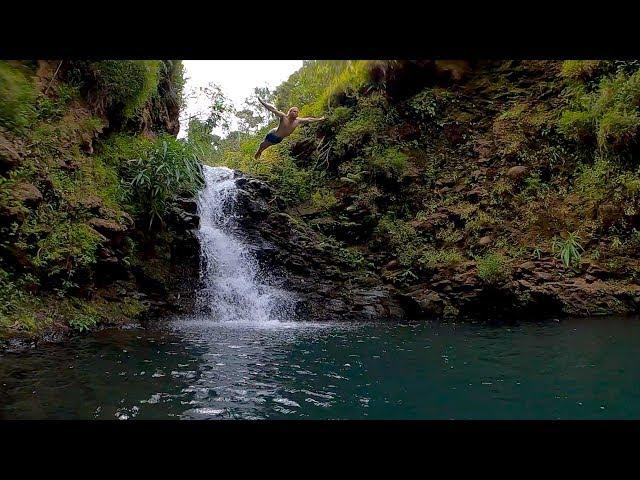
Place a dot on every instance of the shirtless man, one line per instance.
(288, 123)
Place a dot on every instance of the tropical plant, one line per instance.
(568, 249)
(159, 174)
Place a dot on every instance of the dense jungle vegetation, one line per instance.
(431, 176)
(90, 170)
(428, 172)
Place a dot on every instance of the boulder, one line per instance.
(108, 228)
(27, 193)
(189, 205)
(485, 241)
(423, 302)
(517, 173)
(9, 156)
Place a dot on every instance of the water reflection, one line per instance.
(201, 369)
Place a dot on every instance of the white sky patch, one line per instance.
(236, 78)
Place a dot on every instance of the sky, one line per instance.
(236, 78)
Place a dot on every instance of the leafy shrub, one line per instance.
(580, 70)
(577, 125)
(397, 233)
(161, 172)
(353, 257)
(493, 268)
(83, 322)
(389, 161)
(126, 84)
(17, 97)
(67, 248)
(323, 199)
(367, 124)
(593, 180)
(617, 128)
(427, 104)
(609, 114)
(568, 249)
(432, 259)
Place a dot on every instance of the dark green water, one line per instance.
(575, 369)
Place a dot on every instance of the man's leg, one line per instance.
(263, 146)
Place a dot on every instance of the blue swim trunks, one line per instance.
(273, 138)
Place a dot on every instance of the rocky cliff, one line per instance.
(77, 250)
(459, 190)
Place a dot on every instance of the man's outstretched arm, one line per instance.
(310, 119)
(271, 108)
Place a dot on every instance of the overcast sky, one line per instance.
(236, 78)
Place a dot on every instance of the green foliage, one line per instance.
(568, 249)
(339, 116)
(427, 104)
(618, 128)
(580, 70)
(53, 108)
(323, 199)
(314, 87)
(432, 259)
(593, 180)
(17, 97)
(389, 161)
(609, 114)
(577, 125)
(397, 232)
(172, 81)
(365, 127)
(158, 171)
(605, 180)
(493, 268)
(67, 248)
(83, 322)
(126, 84)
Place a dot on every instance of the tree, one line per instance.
(254, 116)
(214, 110)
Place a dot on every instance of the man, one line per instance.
(288, 123)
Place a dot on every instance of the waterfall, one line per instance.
(234, 288)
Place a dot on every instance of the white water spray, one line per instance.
(234, 288)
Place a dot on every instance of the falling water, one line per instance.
(234, 287)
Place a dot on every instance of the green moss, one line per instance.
(493, 268)
(580, 70)
(577, 125)
(68, 247)
(17, 97)
(609, 114)
(432, 259)
(617, 129)
(127, 84)
(323, 199)
(389, 161)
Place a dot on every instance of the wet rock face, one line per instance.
(328, 290)
(324, 291)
